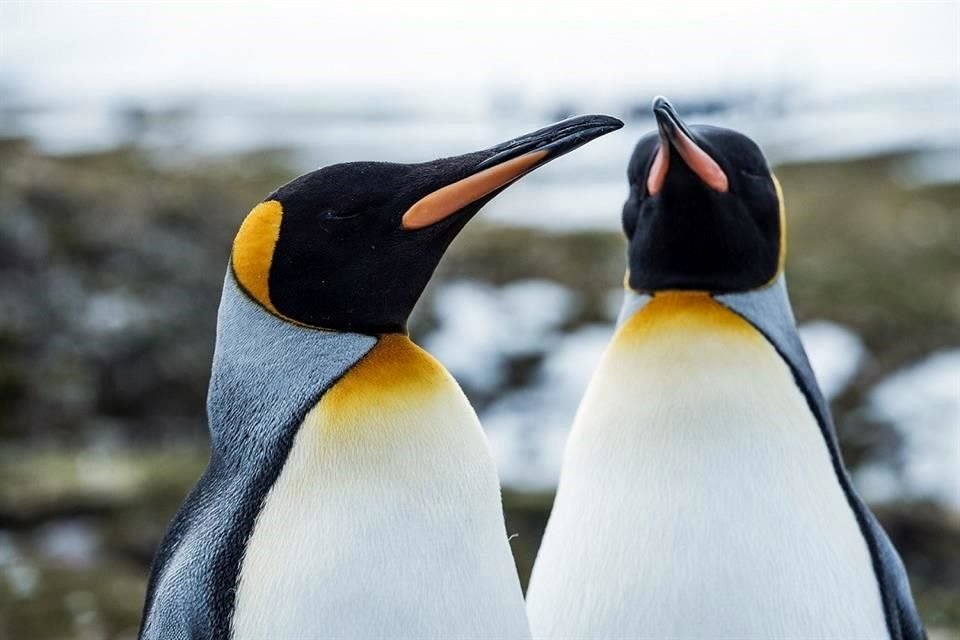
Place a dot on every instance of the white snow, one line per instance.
(480, 329)
(528, 428)
(112, 312)
(71, 542)
(923, 404)
(481, 326)
(836, 354)
(21, 578)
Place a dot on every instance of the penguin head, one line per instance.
(704, 212)
(350, 247)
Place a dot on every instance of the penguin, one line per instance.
(350, 491)
(702, 492)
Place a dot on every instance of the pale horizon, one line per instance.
(67, 50)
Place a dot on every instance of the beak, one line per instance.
(675, 133)
(503, 164)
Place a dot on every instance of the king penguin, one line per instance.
(702, 492)
(350, 491)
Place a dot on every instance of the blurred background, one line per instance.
(134, 137)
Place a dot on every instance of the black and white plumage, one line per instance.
(350, 491)
(703, 494)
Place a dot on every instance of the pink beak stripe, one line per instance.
(694, 157)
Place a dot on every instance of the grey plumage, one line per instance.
(267, 374)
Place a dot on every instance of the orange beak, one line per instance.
(505, 163)
(674, 133)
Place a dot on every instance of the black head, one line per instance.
(704, 211)
(350, 247)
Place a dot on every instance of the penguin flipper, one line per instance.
(894, 583)
(768, 310)
(176, 607)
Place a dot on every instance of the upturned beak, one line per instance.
(505, 163)
(675, 134)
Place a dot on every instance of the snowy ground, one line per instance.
(923, 403)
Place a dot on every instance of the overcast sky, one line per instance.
(130, 49)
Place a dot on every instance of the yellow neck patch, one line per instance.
(677, 312)
(782, 258)
(394, 375)
(253, 250)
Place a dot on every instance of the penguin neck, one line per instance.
(682, 335)
(389, 493)
(393, 377)
(768, 307)
(267, 372)
(680, 316)
(633, 302)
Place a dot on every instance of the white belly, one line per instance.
(697, 498)
(386, 520)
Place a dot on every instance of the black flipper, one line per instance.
(770, 312)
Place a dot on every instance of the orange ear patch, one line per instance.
(447, 200)
(253, 250)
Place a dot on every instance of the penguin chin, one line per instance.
(697, 239)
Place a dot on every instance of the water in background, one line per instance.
(792, 125)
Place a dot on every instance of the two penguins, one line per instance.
(351, 493)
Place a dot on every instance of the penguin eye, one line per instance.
(334, 214)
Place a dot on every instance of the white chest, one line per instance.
(385, 521)
(698, 500)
